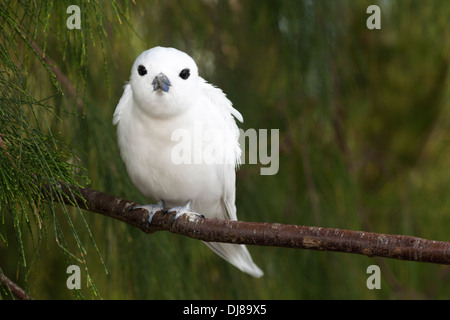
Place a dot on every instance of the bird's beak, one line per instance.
(161, 82)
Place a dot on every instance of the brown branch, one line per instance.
(59, 75)
(264, 234)
(16, 291)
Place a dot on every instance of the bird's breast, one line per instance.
(162, 159)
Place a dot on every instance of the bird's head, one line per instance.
(164, 81)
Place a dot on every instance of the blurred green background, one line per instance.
(364, 120)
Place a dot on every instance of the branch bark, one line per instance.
(370, 244)
(16, 291)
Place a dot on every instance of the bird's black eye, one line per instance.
(141, 70)
(185, 73)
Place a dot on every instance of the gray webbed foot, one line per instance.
(185, 210)
(151, 208)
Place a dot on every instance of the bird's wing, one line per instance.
(232, 153)
(220, 100)
(124, 102)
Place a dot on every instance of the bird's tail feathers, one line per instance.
(237, 255)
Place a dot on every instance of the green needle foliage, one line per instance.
(35, 160)
(363, 117)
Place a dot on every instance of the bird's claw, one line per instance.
(152, 209)
(186, 210)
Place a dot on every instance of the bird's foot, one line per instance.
(186, 210)
(151, 208)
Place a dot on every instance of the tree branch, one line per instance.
(59, 75)
(17, 291)
(264, 234)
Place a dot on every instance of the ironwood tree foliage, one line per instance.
(363, 118)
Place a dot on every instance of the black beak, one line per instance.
(161, 82)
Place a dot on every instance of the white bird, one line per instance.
(167, 100)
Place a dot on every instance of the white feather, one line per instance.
(147, 118)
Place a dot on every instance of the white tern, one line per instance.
(164, 101)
